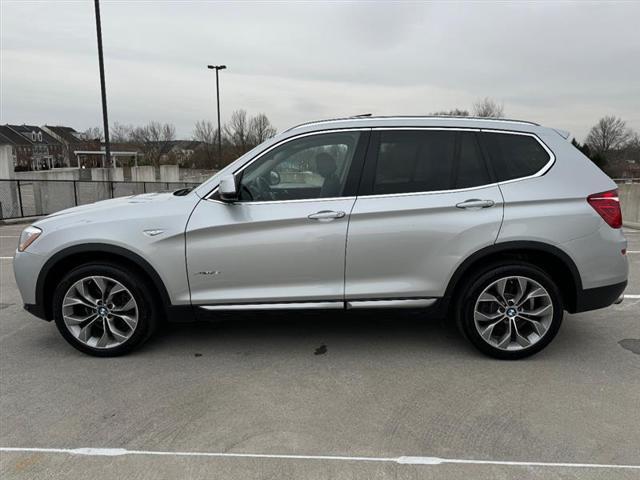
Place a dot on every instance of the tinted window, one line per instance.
(471, 169)
(514, 156)
(428, 160)
(309, 167)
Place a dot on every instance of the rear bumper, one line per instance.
(601, 297)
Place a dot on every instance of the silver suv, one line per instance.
(498, 225)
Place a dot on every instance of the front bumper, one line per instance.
(26, 269)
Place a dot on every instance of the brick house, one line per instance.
(21, 148)
(34, 148)
(71, 141)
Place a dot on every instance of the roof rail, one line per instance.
(368, 116)
(338, 119)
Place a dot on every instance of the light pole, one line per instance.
(217, 68)
(107, 146)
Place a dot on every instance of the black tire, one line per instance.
(480, 280)
(143, 296)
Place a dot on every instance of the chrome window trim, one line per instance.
(539, 173)
(275, 145)
(271, 202)
(542, 171)
(432, 192)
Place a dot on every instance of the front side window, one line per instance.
(427, 161)
(310, 167)
(514, 156)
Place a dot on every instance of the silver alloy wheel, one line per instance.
(513, 313)
(100, 312)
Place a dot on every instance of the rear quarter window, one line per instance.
(514, 156)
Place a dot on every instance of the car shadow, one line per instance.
(325, 333)
(320, 330)
(388, 332)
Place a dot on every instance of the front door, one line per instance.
(284, 240)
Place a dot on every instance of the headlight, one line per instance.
(28, 236)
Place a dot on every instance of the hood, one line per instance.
(123, 207)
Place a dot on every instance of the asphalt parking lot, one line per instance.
(327, 395)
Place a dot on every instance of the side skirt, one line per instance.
(187, 314)
(276, 306)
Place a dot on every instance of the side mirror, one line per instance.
(227, 189)
(274, 178)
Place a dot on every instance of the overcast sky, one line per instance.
(560, 64)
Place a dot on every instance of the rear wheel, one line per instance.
(510, 311)
(104, 309)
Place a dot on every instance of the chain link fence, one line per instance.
(27, 198)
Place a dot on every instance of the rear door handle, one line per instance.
(476, 203)
(326, 215)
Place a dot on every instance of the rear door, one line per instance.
(427, 201)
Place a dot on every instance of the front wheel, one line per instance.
(510, 311)
(104, 309)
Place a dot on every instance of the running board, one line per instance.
(401, 303)
(398, 303)
(277, 306)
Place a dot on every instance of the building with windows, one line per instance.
(32, 147)
(71, 141)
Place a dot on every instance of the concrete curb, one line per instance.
(634, 225)
(19, 221)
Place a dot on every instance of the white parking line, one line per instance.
(405, 460)
(631, 296)
(6, 258)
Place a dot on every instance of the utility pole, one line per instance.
(217, 68)
(105, 119)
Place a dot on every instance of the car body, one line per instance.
(371, 212)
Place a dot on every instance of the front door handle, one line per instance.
(476, 203)
(326, 215)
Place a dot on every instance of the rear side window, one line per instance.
(514, 156)
(427, 161)
(471, 169)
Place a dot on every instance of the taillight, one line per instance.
(607, 204)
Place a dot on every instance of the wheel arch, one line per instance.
(71, 257)
(548, 257)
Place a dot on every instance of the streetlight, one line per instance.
(103, 90)
(217, 68)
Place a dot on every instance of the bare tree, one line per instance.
(238, 131)
(92, 134)
(155, 139)
(205, 132)
(633, 145)
(456, 112)
(260, 129)
(121, 133)
(488, 107)
(610, 133)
